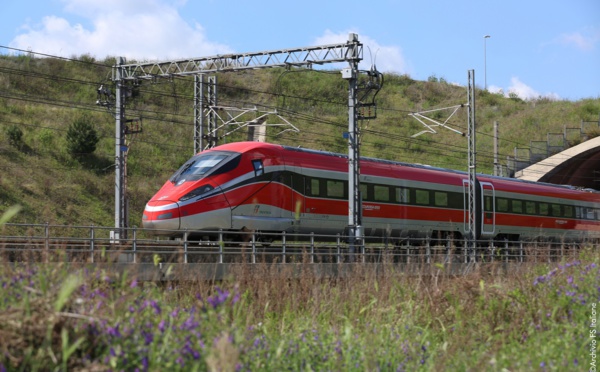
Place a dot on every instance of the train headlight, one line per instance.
(197, 192)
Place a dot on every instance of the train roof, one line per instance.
(249, 145)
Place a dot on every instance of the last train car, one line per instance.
(252, 186)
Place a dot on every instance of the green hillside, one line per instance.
(42, 97)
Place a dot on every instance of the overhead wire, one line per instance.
(177, 96)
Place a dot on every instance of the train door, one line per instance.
(297, 201)
(314, 214)
(485, 208)
(488, 200)
(295, 182)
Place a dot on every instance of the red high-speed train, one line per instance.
(272, 188)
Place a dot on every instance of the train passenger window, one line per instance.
(402, 195)
(364, 191)
(589, 214)
(568, 211)
(422, 197)
(313, 187)
(259, 170)
(441, 199)
(517, 206)
(555, 210)
(544, 209)
(456, 200)
(502, 205)
(381, 193)
(530, 207)
(335, 189)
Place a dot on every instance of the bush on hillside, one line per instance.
(15, 136)
(82, 137)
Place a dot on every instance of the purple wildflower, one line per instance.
(113, 331)
(189, 324)
(218, 299)
(155, 306)
(134, 283)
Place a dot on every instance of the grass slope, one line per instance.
(43, 96)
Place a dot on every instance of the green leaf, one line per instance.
(68, 287)
(9, 213)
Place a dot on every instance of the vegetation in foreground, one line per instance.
(53, 318)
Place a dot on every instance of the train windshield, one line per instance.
(204, 164)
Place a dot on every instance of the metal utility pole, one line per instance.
(496, 164)
(472, 194)
(485, 61)
(350, 51)
(354, 199)
(198, 113)
(212, 139)
(120, 202)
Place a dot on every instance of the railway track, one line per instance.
(281, 256)
(95, 247)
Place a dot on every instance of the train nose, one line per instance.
(161, 215)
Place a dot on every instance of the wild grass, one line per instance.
(538, 319)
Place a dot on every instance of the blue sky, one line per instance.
(547, 48)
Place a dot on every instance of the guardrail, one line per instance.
(97, 244)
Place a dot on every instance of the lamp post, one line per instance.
(484, 61)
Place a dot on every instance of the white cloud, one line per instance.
(135, 29)
(387, 58)
(522, 90)
(580, 41)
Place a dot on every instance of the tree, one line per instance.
(82, 137)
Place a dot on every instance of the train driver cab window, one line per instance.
(204, 164)
(259, 170)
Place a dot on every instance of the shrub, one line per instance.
(15, 135)
(82, 137)
(46, 137)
